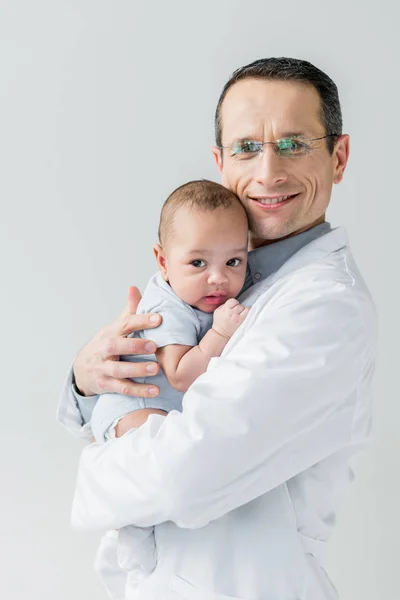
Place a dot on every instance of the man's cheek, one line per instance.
(232, 182)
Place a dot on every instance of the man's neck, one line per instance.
(257, 242)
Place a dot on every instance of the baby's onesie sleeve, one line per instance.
(180, 324)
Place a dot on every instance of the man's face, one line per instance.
(265, 110)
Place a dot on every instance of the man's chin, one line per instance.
(267, 233)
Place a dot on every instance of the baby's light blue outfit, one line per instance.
(181, 324)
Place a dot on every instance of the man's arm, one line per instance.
(74, 411)
(97, 368)
(182, 365)
(281, 399)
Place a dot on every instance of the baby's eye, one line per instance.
(198, 263)
(234, 262)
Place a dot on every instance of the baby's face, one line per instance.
(206, 256)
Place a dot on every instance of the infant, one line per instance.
(202, 260)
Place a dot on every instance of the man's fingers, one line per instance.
(130, 323)
(134, 297)
(122, 370)
(119, 346)
(128, 388)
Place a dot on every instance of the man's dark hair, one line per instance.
(202, 195)
(290, 69)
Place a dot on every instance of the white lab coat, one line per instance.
(244, 484)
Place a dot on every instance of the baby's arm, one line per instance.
(183, 364)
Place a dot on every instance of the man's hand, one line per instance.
(97, 368)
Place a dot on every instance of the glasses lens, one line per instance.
(246, 148)
(291, 147)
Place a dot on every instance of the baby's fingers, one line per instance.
(244, 313)
(238, 309)
(232, 303)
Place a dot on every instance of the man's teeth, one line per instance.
(273, 200)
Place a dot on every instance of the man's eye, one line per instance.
(246, 147)
(198, 263)
(234, 262)
(292, 146)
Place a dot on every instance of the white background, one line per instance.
(105, 107)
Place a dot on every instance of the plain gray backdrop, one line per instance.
(105, 107)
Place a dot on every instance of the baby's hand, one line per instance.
(228, 317)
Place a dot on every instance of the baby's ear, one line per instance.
(161, 260)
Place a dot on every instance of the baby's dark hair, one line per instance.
(202, 195)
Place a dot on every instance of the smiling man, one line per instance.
(243, 485)
(282, 197)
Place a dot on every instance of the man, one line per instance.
(243, 485)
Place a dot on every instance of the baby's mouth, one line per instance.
(215, 298)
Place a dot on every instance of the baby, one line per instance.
(202, 260)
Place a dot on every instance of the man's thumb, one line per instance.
(134, 297)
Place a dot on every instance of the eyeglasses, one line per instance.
(290, 147)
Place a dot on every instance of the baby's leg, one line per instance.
(136, 552)
(136, 419)
(107, 568)
(136, 548)
(126, 556)
(111, 407)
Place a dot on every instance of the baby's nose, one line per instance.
(217, 277)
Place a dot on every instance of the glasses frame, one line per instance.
(280, 139)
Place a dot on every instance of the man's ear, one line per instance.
(161, 260)
(218, 157)
(341, 154)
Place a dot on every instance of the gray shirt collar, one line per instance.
(264, 261)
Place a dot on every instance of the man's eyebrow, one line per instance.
(287, 134)
(256, 138)
(246, 138)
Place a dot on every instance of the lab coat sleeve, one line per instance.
(74, 411)
(281, 398)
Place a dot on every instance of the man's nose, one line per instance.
(270, 169)
(217, 277)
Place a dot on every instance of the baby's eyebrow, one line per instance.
(207, 251)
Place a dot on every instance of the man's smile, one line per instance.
(273, 202)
